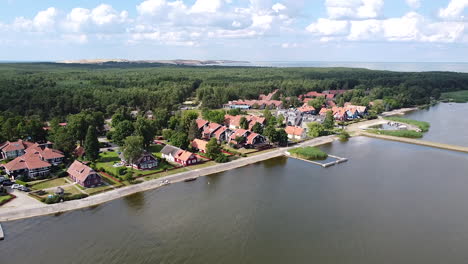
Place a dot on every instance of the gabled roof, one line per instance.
(306, 108)
(170, 150)
(251, 138)
(139, 160)
(29, 162)
(17, 145)
(201, 123)
(212, 127)
(220, 131)
(199, 144)
(80, 171)
(185, 155)
(296, 131)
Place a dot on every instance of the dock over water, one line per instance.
(337, 160)
(418, 142)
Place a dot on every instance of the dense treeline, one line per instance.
(49, 90)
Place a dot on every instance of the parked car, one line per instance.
(23, 188)
(16, 186)
(7, 183)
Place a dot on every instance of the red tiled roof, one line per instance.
(201, 123)
(80, 171)
(184, 155)
(306, 108)
(296, 131)
(17, 145)
(199, 144)
(26, 162)
(211, 128)
(251, 138)
(218, 132)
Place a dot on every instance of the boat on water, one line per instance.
(190, 179)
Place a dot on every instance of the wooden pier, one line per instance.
(2, 236)
(337, 160)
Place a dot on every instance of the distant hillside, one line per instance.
(170, 62)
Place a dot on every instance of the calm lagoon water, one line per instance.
(390, 203)
(448, 123)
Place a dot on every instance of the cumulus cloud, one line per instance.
(357, 9)
(454, 10)
(329, 27)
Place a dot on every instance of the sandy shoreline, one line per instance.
(10, 214)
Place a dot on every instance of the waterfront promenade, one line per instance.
(417, 142)
(9, 214)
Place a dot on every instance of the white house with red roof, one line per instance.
(177, 155)
(294, 132)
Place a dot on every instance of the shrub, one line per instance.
(75, 197)
(121, 171)
(62, 174)
(52, 199)
(344, 136)
(221, 159)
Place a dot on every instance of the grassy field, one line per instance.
(424, 126)
(458, 96)
(397, 133)
(4, 198)
(309, 153)
(49, 184)
(106, 160)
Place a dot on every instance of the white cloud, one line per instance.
(358, 9)
(206, 6)
(327, 27)
(45, 20)
(415, 4)
(454, 10)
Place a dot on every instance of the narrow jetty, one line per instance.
(337, 160)
(2, 236)
(418, 142)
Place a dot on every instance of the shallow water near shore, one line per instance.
(390, 203)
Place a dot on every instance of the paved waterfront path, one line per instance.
(418, 142)
(9, 214)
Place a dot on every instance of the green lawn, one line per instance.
(309, 153)
(99, 189)
(397, 133)
(458, 96)
(49, 184)
(4, 198)
(106, 160)
(71, 190)
(163, 174)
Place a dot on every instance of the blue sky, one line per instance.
(253, 30)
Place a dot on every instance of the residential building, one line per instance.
(255, 139)
(31, 166)
(145, 162)
(177, 155)
(84, 175)
(239, 133)
(11, 150)
(297, 133)
(200, 145)
(210, 129)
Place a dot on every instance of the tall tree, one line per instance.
(244, 124)
(122, 131)
(91, 144)
(257, 128)
(213, 149)
(193, 131)
(64, 140)
(282, 137)
(329, 121)
(315, 129)
(146, 129)
(180, 140)
(133, 148)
